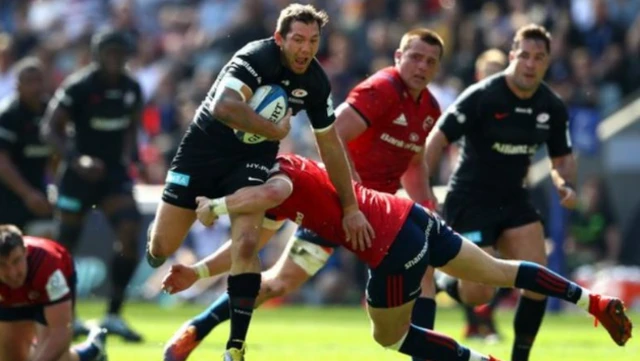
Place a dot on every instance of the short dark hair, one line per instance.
(426, 35)
(26, 65)
(532, 32)
(10, 239)
(303, 13)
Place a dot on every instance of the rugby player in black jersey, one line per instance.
(103, 102)
(503, 120)
(213, 162)
(23, 156)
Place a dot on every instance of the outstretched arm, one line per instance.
(54, 341)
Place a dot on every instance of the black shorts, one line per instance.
(424, 240)
(310, 236)
(36, 312)
(201, 169)
(77, 195)
(482, 221)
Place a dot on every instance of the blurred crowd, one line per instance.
(180, 46)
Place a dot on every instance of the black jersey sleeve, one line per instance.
(321, 112)
(559, 142)
(250, 65)
(9, 129)
(458, 119)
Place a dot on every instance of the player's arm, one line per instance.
(416, 183)
(9, 174)
(55, 339)
(131, 151)
(350, 125)
(59, 112)
(563, 162)
(230, 108)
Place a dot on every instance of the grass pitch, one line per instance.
(341, 334)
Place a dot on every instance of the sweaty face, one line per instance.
(31, 84)
(529, 64)
(299, 46)
(418, 64)
(113, 58)
(13, 268)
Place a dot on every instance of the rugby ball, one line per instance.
(270, 101)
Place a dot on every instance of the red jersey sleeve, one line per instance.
(373, 98)
(52, 273)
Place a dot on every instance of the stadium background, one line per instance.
(181, 45)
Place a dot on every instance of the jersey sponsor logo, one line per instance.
(514, 149)
(180, 179)
(400, 143)
(299, 93)
(69, 203)
(299, 218)
(296, 100)
(169, 194)
(524, 110)
(36, 151)
(109, 124)
(543, 117)
(428, 123)
(500, 116)
(401, 120)
(57, 286)
(248, 67)
(258, 166)
(329, 106)
(474, 236)
(424, 249)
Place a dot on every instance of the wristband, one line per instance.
(202, 270)
(218, 206)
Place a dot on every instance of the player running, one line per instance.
(104, 104)
(212, 161)
(409, 238)
(384, 121)
(23, 156)
(37, 295)
(503, 121)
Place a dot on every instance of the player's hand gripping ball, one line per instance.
(270, 101)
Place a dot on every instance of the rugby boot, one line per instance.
(609, 311)
(183, 342)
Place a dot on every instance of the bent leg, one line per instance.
(167, 232)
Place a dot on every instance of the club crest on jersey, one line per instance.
(129, 98)
(299, 93)
(428, 123)
(542, 117)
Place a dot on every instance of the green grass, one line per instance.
(340, 334)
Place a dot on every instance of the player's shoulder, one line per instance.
(260, 47)
(387, 81)
(130, 80)
(81, 77)
(9, 105)
(550, 96)
(49, 247)
(429, 100)
(494, 87)
(317, 77)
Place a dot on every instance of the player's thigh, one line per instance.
(428, 284)
(75, 194)
(16, 338)
(477, 221)
(474, 293)
(169, 228)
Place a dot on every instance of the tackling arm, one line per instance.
(415, 179)
(259, 198)
(334, 156)
(436, 142)
(349, 125)
(53, 129)
(55, 340)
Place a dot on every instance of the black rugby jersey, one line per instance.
(20, 138)
(100, 112)
(501, 133)
(259, 63)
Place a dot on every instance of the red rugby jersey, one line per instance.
(397, 128)
(49, 272)
(314, 204)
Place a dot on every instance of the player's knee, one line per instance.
(246, 245)
(69, 235)
(273, 288)
(387, 336)
(159, 244)
(474, 294)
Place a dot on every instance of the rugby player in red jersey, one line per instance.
(408, 239)
(384, 122)
(37, 295)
